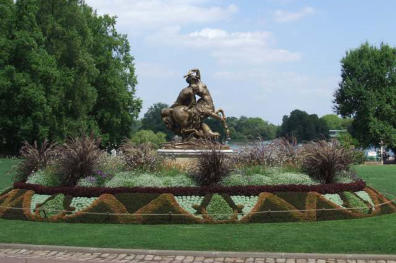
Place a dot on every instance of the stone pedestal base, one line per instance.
(184, 158)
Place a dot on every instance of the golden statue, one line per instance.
(185, 117)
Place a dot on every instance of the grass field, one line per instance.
(7, 171)
(381, 177)
(370, 235)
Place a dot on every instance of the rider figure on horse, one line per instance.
(185, 117)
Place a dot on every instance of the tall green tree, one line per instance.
(303, 126)
(116, 108)
(367, 93)
(69, 40)
(152, 120)
(63, 69)
(27, 76)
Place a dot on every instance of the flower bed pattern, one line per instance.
(156, 208)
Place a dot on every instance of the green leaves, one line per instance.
(367, 93)
(303, 126)
(63, 70)
(152, 120)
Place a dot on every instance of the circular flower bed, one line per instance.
(276, 182)
(123, 205)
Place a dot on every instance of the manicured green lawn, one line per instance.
(370, 235)
(381, 177)
(7, 171)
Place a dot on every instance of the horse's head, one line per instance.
(166, 116)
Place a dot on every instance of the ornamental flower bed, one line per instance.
(157, 208)
(277, 182)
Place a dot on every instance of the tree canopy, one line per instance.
(367, 93)
(303, 126)
(244, 128)
(148, 136)
(334, 122)
(152, 120)
(63, 70)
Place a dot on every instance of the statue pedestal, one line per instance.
(186, 157)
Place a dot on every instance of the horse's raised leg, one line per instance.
(222, 118)
(208, 133)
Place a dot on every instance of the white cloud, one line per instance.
(228, 47)
(283, 16)
(153, 14)
(153, 70)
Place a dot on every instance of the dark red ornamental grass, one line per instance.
(211, 168)
(279, 152)
(35, 157)
(78, 158)
(323, 160)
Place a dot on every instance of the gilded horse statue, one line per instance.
(185, 117)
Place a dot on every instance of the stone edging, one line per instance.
(202, 253)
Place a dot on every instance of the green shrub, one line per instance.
(111, 165)
(122, 179)
(359, 156)
(148, 136)
(170, 171)
(130, 179)
(342, 179)
(189, 202)
(148, 180)
(259, 179)
(52, 206)
(335, 198)
(37, 200)
(218, 208)
(44, 177)
(355, 202)
(293, 178)
(81, 203)
(178, 180)
(89, 181)
(235, 179)
(272, 177)
(248, 202)
(365, 196)
(253, 169)
(290, 169)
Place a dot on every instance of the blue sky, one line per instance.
(261, 58)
